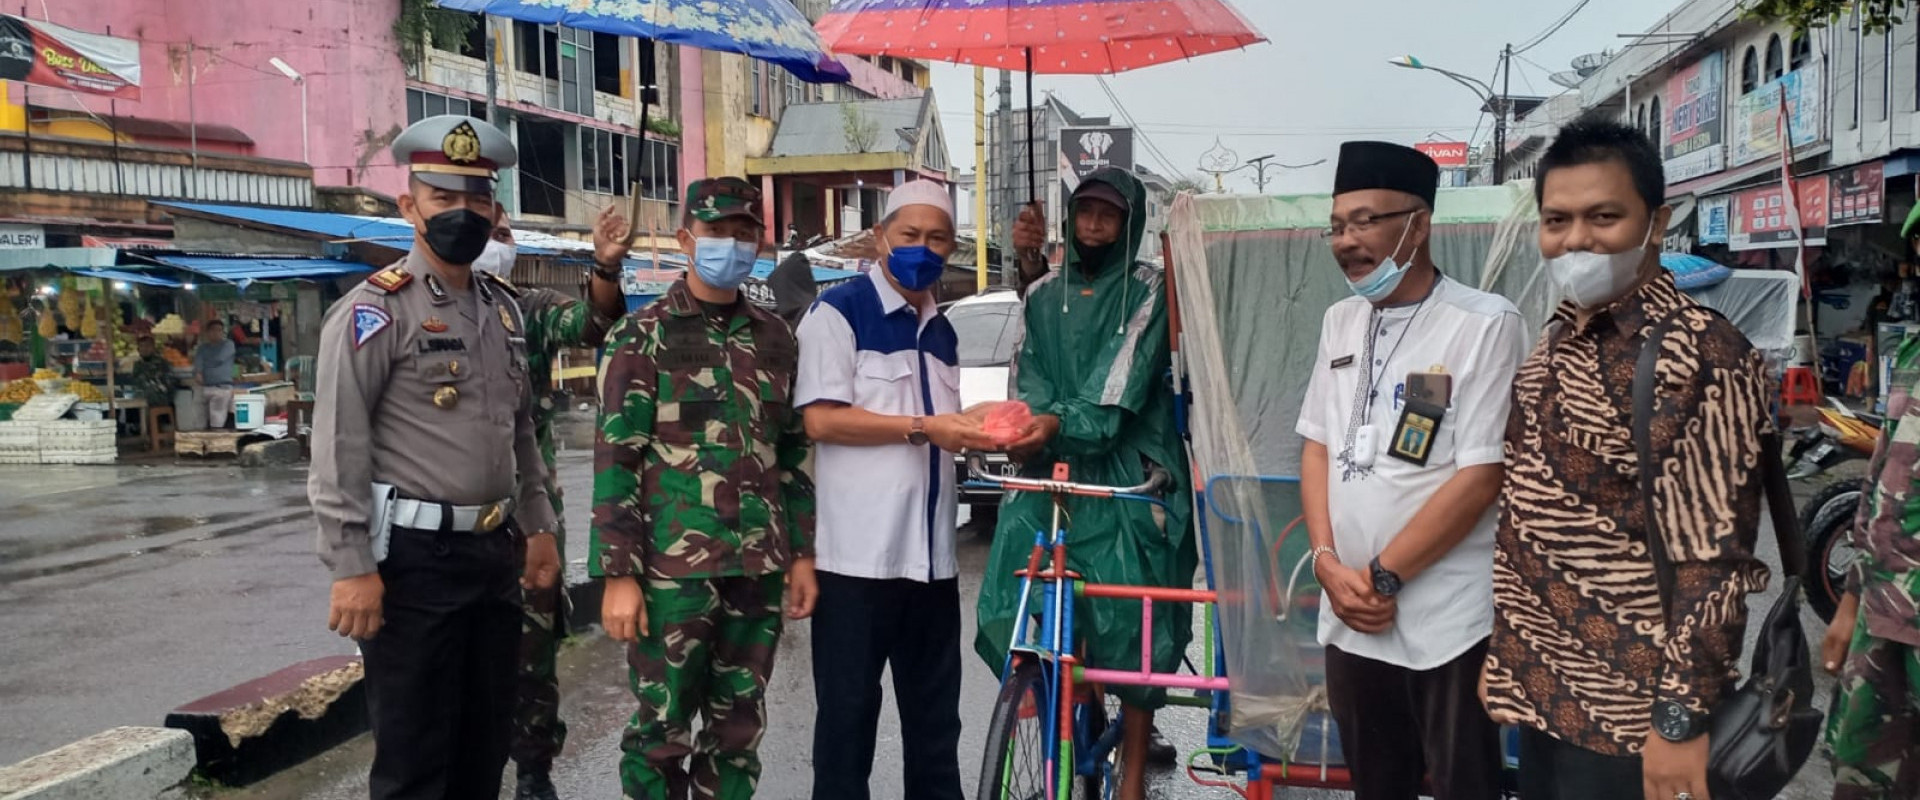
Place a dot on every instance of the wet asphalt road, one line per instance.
(129, 590)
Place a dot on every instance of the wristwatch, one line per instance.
(608, 273)
(1675, 723)
(1385, 582)
(918, 436)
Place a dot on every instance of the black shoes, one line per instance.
(536, 786)
(1160, 752)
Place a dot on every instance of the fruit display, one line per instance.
(87, 392)
(176, 358)
(171, 325)
(20, 391)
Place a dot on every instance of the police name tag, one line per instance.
(1413, 437)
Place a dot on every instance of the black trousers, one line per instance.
(1399, 725)
(861, 627)
(1551, 769)
(440, 673)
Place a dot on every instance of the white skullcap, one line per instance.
(919, 193)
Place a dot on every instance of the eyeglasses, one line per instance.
(1361, 224)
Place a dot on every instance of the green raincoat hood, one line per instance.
(1127, 249)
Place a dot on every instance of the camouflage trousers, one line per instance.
(1874, 729)
(538, 732)
(708, 648)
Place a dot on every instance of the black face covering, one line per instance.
(458, 236)
(1091, 258)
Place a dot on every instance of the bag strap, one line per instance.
(1773, 477)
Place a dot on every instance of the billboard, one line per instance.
(1858, 196)
(1755, 132)
(1445, 154)
(1762, 220)
(1696, 138)
(1713, 213)
(45, 54)
(1084, 150)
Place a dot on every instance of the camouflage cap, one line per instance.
(715, 199)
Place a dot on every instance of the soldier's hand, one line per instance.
(354, 609)
(803, 589)
(611, 239)
(623, 609)
(1030, 228)
(958, 433)
(543, 562)
(1839, 637)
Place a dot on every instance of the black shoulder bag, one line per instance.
(1761, 734)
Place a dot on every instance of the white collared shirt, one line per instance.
(887, 511)
(1477, 338)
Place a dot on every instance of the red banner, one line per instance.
(1762, 218)
(1445, 154)
(44, 54)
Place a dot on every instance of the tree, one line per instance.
(862, 133)
(420, 22)
(1875, 15)
(1188, 183)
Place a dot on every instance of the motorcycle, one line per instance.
(1825, 520)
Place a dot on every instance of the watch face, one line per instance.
(1672, 720)
(1385, 582)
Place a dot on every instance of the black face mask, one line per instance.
(1091, 258)
(458, 236)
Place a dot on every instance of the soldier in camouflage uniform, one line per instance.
(1874, 639)
(702, 508)
(553, 321)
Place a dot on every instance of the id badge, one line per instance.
(1413, 438)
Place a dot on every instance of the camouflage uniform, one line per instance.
(553, 321)
(701, 491)
(152, 377)
(1875, 725)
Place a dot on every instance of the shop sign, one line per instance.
(1695, 144)
(1756, 132)
(22, 237)
(1762, 219)
(1858, 195)
(45, 54)
(1445, 154)
(1713, 213)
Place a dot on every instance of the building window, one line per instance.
(1859, 49)
(1776, 60)
(1640, 119)
(1749, 72)
(659, 170)
(1886, 75)
(1653, 121)
(422, 104)
(1800, 52)
(474, 44)
(610, 61)
(756, 75)
(795, 95)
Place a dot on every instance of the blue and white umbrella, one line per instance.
(770, 30)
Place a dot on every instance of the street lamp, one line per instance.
(1261, 166)
(1497, 102)
(300, 81)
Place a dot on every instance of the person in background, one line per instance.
(213, 372)
(702, 508)
(879, 385)
(1403, 419)
(1093, 368)
(554, 321)
(151, 376)
(1873, 642)
(1610, 687)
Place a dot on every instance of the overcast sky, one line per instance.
(1322, 78)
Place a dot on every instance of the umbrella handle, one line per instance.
(1033, 194)
(633, 192)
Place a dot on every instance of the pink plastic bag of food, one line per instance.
(1007, 422)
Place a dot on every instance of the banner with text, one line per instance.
(1696, 141)
(1755, 135)
(1088, 149)
(1858, 195)
(1761, 219)
(45, 54)
(1445, 154)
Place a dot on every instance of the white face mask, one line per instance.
(497, 259)
(1591, 280)
(1385, 278)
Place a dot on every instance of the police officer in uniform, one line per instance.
(424, 460)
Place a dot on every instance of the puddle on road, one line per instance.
(75, 566)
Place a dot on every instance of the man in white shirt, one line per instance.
(1404, 419)
(879, 385)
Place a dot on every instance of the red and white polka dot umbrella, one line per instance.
(1076, 37)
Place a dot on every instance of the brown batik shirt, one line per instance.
(1581, 645)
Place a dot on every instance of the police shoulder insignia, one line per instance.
(391, 279)
(461, 145)
(368, 321)
(503, 284)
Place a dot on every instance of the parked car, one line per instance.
(989, 328)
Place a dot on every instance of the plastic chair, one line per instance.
(1800, 387)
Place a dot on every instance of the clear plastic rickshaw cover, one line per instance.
(1253, 276)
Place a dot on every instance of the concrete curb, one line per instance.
(265, 725)
(121, 764)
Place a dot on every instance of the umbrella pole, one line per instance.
(1033, 195)
(633, 190)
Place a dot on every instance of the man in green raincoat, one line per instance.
(1094, 367)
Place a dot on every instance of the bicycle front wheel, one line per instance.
(1015, 764)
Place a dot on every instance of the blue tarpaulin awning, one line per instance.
(246, 269)
(129, 277)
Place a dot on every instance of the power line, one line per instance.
(1549, 32)
(1165, 162)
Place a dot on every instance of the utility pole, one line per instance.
(1259, 172)
(1501, 105)
(1003, 163)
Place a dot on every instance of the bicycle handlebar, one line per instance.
(977, 470)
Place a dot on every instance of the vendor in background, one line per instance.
(151, 377)
(213, 373)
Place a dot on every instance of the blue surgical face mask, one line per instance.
(1381, 282)
(724, 263)
(916, 267)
